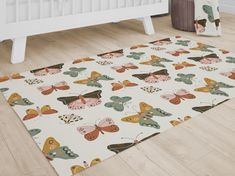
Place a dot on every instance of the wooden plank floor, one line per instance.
(204, 146)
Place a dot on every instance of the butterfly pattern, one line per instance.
(46, 90)
(155, 77)
(178, 52)
(125, 67)
(178, 97)
(93, 80)
(156, 61)
(208, 59)
(90, 99)
(92, 132)
(117, 102)
(110, 102)
(16, 99)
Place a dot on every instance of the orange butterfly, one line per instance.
(179, 121)
(176, 98)
(32, 113)
(46, 90)
(13, 76)
(224, 51)
(182, 65)
(86, 59)
(92, 132)
(124, 84)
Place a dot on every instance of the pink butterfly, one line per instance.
(123, 68)
(79, 102)
(178, 52)
(46, 90)
(48, 70)
(92, 132)
(176, 98)
(230, 74)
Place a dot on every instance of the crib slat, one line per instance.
(29, 9)
(17, 11)
(52, 8)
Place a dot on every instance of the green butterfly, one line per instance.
(136, 55)
(213, 87)
(93, 80)
(3, 89)
(144, 117)
(118, 103)
(16, 99)
(156, 61)
(52, 150)
(182, 42)
(185, 78)
(230, 60)
(74, 71)
(34, 132)
(117, 148)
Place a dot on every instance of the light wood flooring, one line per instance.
(204, 146)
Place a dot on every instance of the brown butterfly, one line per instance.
(10, 77)
(54, 69)
(208, 59)
(119, 85)
(155, 77)
(92, 132)
(112, 54)
(161, 42)
(86, 59)
(79, 102)
(138, 46)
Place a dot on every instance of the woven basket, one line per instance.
(182, 15)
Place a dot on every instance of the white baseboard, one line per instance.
(227, 6)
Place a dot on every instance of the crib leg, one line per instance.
(148, 25)
(18, 50)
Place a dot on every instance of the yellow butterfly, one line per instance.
(16, 99)
(213, 87)
(144, 117)
(156, 61)
(52, 150)
(77, 168)
(93, 79)
(179, 120)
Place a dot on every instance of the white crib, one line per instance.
(22, 18)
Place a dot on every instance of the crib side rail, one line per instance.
(52, 24)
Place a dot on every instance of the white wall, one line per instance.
(227, 6)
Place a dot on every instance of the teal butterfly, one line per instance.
(34, 132)
(136, 55)
(185, 78)
(3, 89)
(52, 150)
(144, 117)
(182, 42)
(16, 99)
(93, 80)
(230, 60)
(117, 103)
(74, 71)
